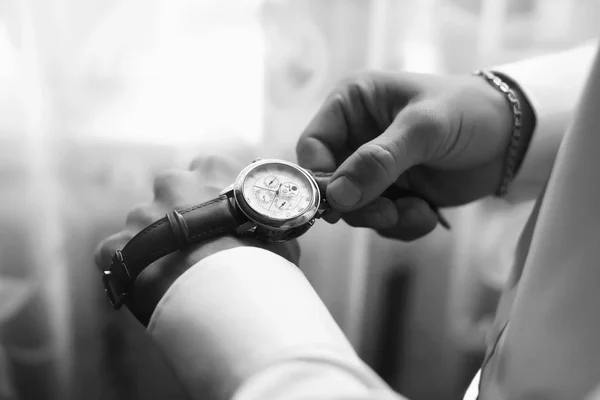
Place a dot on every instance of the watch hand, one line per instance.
(272, 201)
(264, 188)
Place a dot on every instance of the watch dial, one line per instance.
(278, 191)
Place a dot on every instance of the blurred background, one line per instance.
(96, 96)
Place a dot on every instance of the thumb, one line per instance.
(377, 164)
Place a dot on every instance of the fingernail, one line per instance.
(343, 192)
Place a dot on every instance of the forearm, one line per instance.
(550, 87)
(245, 315)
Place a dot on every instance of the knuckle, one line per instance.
(428, 118)
(142, 215)
(381, 156)
(198, 163)
(99, 254)
(209, 163)
(107, 248)
(303, 146)
(166, 180)
(429, 126)
(366, 93)
(348, 81)
(216, 169)
(204, 192)
(309, 152)
(352, 86)
(355, 83)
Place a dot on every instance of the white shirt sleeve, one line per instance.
(553, 85)
(245, 323)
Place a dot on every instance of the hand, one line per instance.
(179, 189)
(442, 137)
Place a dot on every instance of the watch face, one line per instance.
(278, 190)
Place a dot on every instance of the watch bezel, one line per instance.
(264, 220)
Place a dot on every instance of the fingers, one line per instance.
(415, 220)
(219, 170)
(406, 218)
(176, 189)
(173, 189)
(143, 215)
(357, 111)
(413, 138)
(315, 155)
(107, 248)
(173, 186)
(342, 119)
(137, 219)
(332, 216)
(324, 142)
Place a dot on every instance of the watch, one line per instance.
(272, 200)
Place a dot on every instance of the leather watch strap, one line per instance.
(176, 231)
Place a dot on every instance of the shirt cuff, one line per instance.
(236, 312)
(553, 85)
(316, 377)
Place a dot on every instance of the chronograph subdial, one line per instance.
(288, 189)
(276, 191)
(264, 197)
(283, 204)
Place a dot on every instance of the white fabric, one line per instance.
(246, 323)
(249, 316)
(553, 85)
(473, 389)
(550, 347)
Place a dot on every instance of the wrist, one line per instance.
(150, 286)
(517, 113)
(528, 119)
(245, 310)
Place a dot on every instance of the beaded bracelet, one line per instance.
(511, 162)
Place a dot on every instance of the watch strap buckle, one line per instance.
(116, 280)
